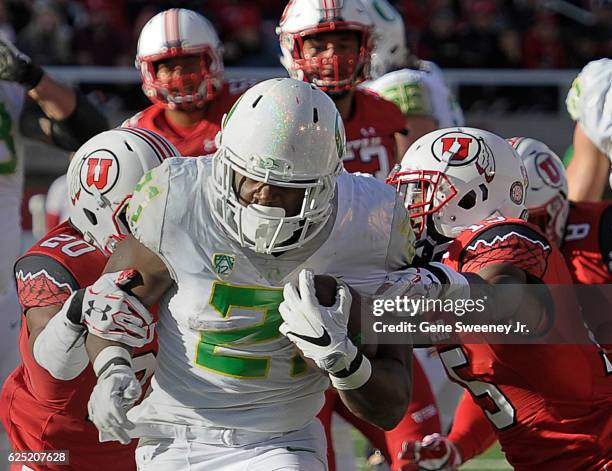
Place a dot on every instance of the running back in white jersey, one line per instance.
(589, 102)
(222, 361)
(420, 92)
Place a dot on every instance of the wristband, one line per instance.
(111, 356)
(356, 376)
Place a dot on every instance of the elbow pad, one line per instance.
(60, 347)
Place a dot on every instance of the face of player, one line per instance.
(251, 191)
(179, 73)
(326, 46)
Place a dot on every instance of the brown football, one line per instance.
(325, 290)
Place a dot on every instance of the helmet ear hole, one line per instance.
(91, 216)
(468, 201)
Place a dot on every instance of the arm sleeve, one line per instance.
(43, 281)
(69, 134)
(472, 432)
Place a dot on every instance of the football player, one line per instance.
(180, 61)
(581, 230)
(36, 106)
(44, 400)
(272, 205)
(464, 190)
(416, 86)
(589, 103)
(329, 44)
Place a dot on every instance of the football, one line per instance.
(325, 290)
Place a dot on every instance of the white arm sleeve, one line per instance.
(60, 347)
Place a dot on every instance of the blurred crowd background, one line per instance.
(530, 34)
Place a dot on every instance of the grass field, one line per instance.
(492, 460)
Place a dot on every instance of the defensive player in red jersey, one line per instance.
(548, 403)
(179, 59)
(329, 43)
(581, 230)
(44, 400)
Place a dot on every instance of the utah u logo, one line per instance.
(548, 169)
(97, 172)
(459, 146)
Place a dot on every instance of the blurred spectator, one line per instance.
(100, 42)
(481, 39)
(6, 28)
(542, 47)
(239, 26)
(46, 39)
(440, 42)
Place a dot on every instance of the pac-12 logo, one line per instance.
(458, 149)
(548, 169)
(100, 169)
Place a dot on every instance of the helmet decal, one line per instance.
(100, 170)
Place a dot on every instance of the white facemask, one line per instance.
(265, 226)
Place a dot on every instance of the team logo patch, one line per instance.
(517, 192)
(458, 149)
(224, 264)
(548, 169)
(99, 170)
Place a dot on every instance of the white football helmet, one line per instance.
(174, 33)
(390, 50)
(286, 133)
(303, 18)
(101, 177)
(453, 178)
(547, 193)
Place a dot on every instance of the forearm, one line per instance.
(58, 101)
(587, 172)
(384, 398)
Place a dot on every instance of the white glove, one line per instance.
(114, 394)
(434, 281)
(319, 332)
(112, 314)
(433, 453)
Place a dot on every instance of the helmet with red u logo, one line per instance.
(547, 194)
(453, 178)
(101, 177)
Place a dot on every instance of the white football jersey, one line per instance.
(222, 361)
(420, 92)
(589, 102)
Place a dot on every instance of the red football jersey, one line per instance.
(194, 140)
(587, 245)
(549, 403)
(39, 411)
(370, 134)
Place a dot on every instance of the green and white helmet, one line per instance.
(390, 50)
(286, 133)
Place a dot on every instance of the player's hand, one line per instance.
(433, 453)
(111, 313)
(115, 393)
(15, 66)
(433, 281)
(319, 332)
